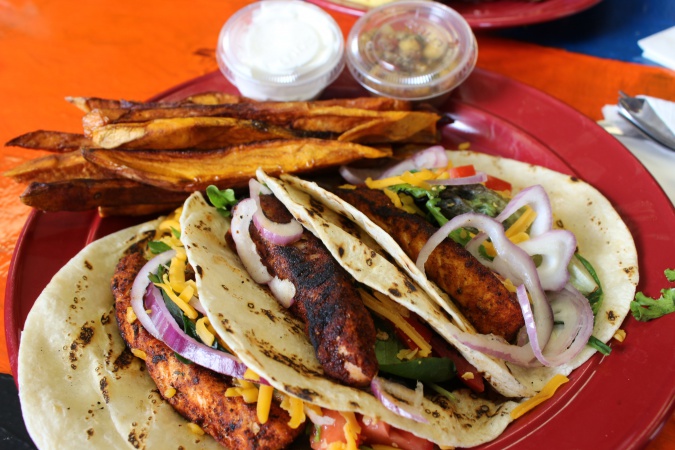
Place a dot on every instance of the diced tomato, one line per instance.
(462, 171)
(497, 184)
(443, 349)
(372, 432)
(380, 433)
(330, 433)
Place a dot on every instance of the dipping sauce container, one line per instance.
(281, 50)
(411, 50)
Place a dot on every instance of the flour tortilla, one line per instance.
(79, 385)
(272, 343)
(602, 238)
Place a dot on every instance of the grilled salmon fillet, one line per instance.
(200, 393)
(477, 292)
(338, 324)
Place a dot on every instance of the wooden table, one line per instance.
(132, 50)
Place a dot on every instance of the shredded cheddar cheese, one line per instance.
(395, 199)
(264, 402)
(378, 306)
(384, 183)
(522, 224)
(177, 272)
(169, 392)
(139, 353)
(620, 335)
(187, 309)
(296, 409)
(352, 429)
(168, 224)
(131, 315)
(203, 332)
(251, 375)
(196, 429)
(545, 394)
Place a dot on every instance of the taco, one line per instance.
(107, 398)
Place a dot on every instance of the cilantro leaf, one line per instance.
(158, 247)
(222, 200)
(670, 274)
(646, 308)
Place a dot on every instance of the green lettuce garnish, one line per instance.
(646, 308)
(222, 200)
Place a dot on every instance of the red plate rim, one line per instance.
(489, 92)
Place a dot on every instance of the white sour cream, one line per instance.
(281, 50)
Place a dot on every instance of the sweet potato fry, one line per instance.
(188, 132)
(137, 210)
(305, 116)
(56, 167)
(82, 195)
(188, 171)
(215, 98)
(53, 141)
(88, 104)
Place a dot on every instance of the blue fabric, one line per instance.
(609, 29)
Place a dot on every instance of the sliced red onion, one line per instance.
(534, 196)
(283, 291)
(356, 176)
(274, 232)
(161, 325)
(140, 285)
(530, 324)
(242, 215)
(513, 263)
(255, 188)
(430, 158)
(318, 420)
(196, 304)
(388, 393)
(173, 336)
(556, 248)
(572, 309)
(479, 177)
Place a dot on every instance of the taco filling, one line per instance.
(411, 309)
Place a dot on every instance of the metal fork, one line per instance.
(638, 112)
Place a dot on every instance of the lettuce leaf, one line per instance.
(646, 308)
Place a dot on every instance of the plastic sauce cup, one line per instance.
(281, 50)
(411, 50)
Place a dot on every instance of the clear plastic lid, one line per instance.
(281, 50)
(413, 50)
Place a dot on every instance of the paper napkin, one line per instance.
(658, 160)
(660, 47)
(664, 109)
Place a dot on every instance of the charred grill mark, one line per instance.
(478, 293)
(199, 392)
(335, 319)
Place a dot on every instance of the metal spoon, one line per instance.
(638, 112)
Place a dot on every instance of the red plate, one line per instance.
(490, 13)
(618, 401)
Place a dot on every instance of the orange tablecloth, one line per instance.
(132, 50)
